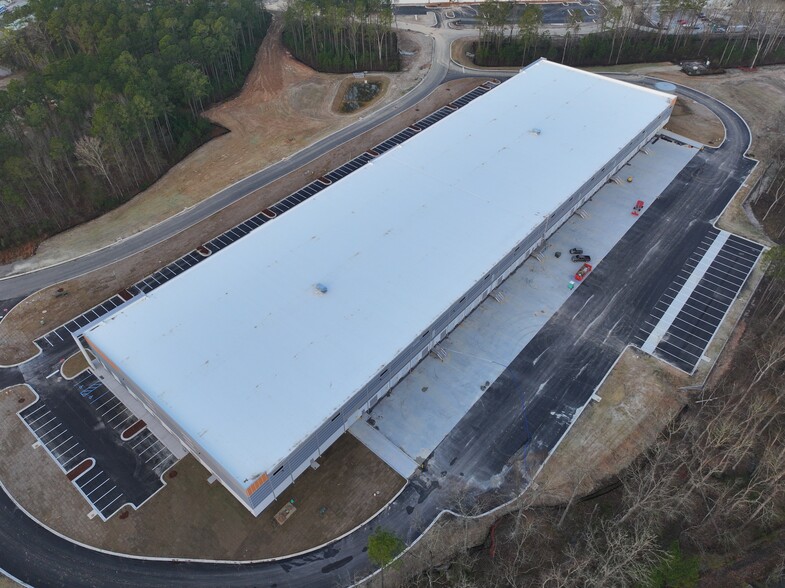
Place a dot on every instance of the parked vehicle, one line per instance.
(581, 258)
(583, 272)
(576, 251)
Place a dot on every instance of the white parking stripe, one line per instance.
(670, 315)
(52, 430)
(681, 350)
(146, 449)
(46, 423)
(97, 487)
(119, 496)
(91, 479)
(672, 335)
(37, 408)
(72, 458)
(124, 412)
(156, 453)
(143, 438)
(39, 417)
(95, 502)
(125, 420)
(712, 326)
(70, 449)
(63, 443)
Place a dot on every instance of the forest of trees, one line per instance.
(625, 36)
(339, 37)
(110, 99)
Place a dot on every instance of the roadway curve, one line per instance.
(15, 286)
(582, 341)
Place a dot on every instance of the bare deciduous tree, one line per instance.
(90, 152)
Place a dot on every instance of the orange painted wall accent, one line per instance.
(256, 485)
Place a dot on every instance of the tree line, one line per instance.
(110, 100)
(339, 37)
(752, 34)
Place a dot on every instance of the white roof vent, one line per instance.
(320, 288)
(535, 132)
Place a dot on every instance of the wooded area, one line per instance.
(110, 100)
(337, 37)
(626, 36)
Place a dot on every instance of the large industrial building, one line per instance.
(259, 357)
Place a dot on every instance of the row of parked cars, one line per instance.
(579, 256)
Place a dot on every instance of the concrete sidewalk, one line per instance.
(388, 452)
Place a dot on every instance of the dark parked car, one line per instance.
(576, 251)
(581, 258)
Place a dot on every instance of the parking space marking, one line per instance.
(97, 487)
(659, 331)
(692, 317)
(39, 417)
(38, 428)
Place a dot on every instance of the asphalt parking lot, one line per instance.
(552, 13)
(685, 318)
(81, 419)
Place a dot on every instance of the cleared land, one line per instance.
(759, 97)
(692, 119)
(189, 517)
(283, 107)
(638, 398)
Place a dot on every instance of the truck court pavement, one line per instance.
(576, 348)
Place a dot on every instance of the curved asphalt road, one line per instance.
(23, 284)
(510, 418)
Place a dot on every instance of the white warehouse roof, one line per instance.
(248, 358)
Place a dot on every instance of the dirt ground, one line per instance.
(283, 107)
(73, 366)
(759, 97)
(23, 323)
(639, 397)
(190, 517)
(693, 120)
